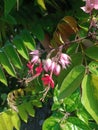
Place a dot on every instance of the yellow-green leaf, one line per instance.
(90, 95)
(42, 4)
(6, 116)
(72, 81)
(15, 120)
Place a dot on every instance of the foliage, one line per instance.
(64, 39)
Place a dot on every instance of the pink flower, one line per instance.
(96, 4)
(35, 56)
(35, 52)
(64, 60)
(39, 69)
(35, 59)
(47, 64)
(30, 65)
(90, 5)
(47, 80)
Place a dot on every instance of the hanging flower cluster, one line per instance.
(49, 66)
(90, 5)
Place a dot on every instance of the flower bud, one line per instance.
(53, 65)
(47, 64)
(57, 69)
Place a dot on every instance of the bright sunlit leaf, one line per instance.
(90, 95)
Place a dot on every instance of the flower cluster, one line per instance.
(49, 67)
(90, 5)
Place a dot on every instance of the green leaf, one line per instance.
(38, 31)
(78, 123)
(15, 120)
(9, 119)
(2, 77)
(93, 67)
(29, 108)
(90, 95)
(36, 103)
(9, 19)
(21, 47)
(22, 112)
(51, 124)
(92, 52)
(6, 117)
(6, 64)
(71, 81)
(8, 5)
(12, 54)
(28, 40)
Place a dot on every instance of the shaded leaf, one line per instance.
(8, 5)
(2, 77)
(71, 81)
(13, 55)
(90, 95)
(65, 28)
(92, 52)
(78, 123)
(7, 64)
(71, 22)
(38, 31)
(21, 47)
(28, 40)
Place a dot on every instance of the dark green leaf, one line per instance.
(6, 64)
(28, 40)
(92, 52)
(8, 5)
(12, 54)
(2, 77)
(71, 81)
(38, 31)
(21, 47)
(78, 123)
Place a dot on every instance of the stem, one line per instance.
(44, 95)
